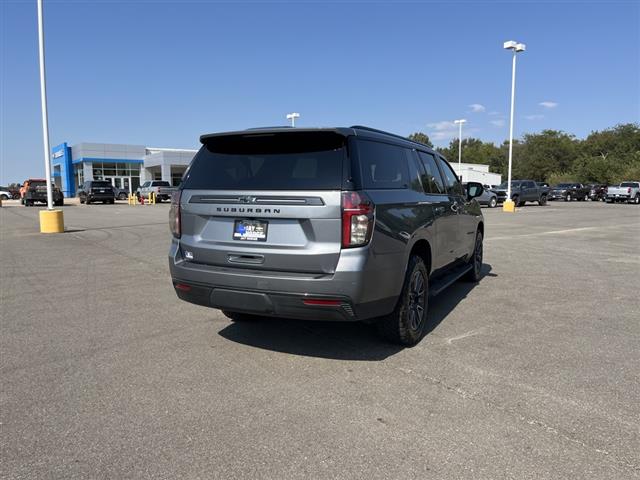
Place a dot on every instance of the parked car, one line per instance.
(97, 191)
(121, 193)
(488, 198)
(323, 224)
(5, 194)
(163, 190)
(625, 192)
(569, 192)
(523, 191)
(34, 190)
(597, 192)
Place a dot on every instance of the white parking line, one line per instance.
(552, 232)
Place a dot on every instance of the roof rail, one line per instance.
(267, 128)
(369, 129)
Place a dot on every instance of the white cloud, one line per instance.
(477, 107)
(443, 125)
(497, 123)
(534, 117)
(548, 104)
(446, 130)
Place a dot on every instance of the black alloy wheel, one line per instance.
(406, 325)
(476, 260)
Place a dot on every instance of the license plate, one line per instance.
(250, 230)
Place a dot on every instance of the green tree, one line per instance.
(420, 138)
(544, 153)
(476, 151)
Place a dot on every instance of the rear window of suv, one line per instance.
(269, 161)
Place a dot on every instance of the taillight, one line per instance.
(357, 219)
(174, 214)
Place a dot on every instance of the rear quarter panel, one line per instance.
(402, 219)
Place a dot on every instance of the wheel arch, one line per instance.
(422, 248)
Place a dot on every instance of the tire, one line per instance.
(493, 203)
(636, 199)
(122, 196)
(406, 325)
(516, 200)
(543, 201)
(59, 203)
(4, 197)
(568, 197)
(476, 259)
(586, 197)
(81, 201)
(239, 317)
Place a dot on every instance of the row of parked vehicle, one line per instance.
(523, 191)
(101, 191)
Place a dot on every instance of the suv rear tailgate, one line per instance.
(300, 237)
(285, 188)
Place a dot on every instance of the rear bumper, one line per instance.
(277, 304)
(100, 197)
(282, 294)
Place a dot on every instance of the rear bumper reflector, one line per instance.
(322, 301)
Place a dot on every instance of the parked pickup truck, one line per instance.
(569, 191)
(625, 192)
(523, 191)
(163, 190)
(35, 190)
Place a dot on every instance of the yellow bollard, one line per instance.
(152, 198)
(51, 221)
(509, 206)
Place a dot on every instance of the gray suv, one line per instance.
(323, 224)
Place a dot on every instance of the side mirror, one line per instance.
(474, 189)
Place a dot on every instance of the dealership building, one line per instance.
(125, 166)
(475, 172)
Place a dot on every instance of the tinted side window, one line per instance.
(431, 179)
(383, 165)
(451, 180)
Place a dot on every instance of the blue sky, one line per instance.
(161, 73)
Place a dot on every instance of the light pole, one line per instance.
(460, 122)
(51, 221)
(508, 205)
(292, 117)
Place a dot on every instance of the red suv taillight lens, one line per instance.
(174, 214)
(357, 219)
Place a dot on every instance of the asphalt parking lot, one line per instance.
(532, 373)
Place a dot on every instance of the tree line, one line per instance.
(608, 156)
